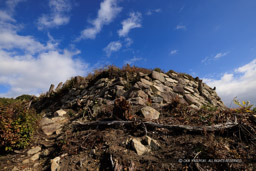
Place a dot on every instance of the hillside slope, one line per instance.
(136, 119)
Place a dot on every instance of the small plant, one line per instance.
(245, 106)
(209, 107)
(158, 70)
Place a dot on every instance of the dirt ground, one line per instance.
(103, 147)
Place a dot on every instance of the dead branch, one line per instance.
(188, 128)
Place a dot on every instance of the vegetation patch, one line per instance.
(17, 124)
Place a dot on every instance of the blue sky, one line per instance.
(44, 42)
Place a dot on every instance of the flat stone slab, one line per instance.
(34, 150)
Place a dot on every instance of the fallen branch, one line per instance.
(188, 128)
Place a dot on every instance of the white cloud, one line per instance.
(150, 12)
(4, 16)
(132, 60)
(30, 74)
(181, 27)
(112, 47)
(28, 66)
(219, 55)
(173, 52)
(240, 83)
(134, 21)
(58, 16)
(106, 14)
(10, 39)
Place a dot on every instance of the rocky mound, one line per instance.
(139, 88)
(136, 119)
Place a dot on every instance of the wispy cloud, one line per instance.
(7, 13)
(134, 21)
(208, 59)
(173, 52)
(106, 14)
(181, 27)
(4, 16)
(128, 41)
(240, 83)
(58, 15)
(11, 4)
(112, 47)
(150, 12)
(132, 60)
(219, 55)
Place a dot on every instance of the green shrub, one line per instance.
(17, 124)
(158, 70)
(24, 97)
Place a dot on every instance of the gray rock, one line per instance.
(190, 99)
(142, 74)
(50, 129)
(157, 99)
(171, 80)
(119, 90)
(55, 164)
(60, 113)
(141, 85)
(170, 84)
(50, 90)
(121, 81)
(178, 89)
(153, 144)
(139, 148)
(49, 126)
(35, 156)
(34, 150)
(137, 101)
(102, 80)
(59, 86)
(26, 161)
(190, 89)
(139, 93)
(100, 85)
(158, 76)
(157, 89)
(168, 96)
(150, 113)
(146, 82)
(194, 106)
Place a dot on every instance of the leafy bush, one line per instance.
(24, 97)
(158, 70)
(17, 124)
(245, 106)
